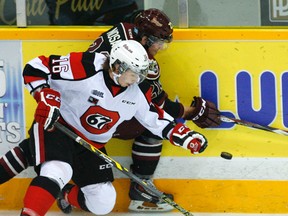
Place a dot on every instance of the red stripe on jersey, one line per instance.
(115, 90)
(159, 111)
(41, 143)
(44, 60)
(77, 69)
(148, 95)
(28, 79)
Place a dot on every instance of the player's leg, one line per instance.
(44, 189)
(93, 190)
(15, 161)
(146, 152)
(97, 198)
(52, 160)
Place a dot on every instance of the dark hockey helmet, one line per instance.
(155, 23)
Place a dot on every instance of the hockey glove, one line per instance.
(47, 111)
(205, 113)
(182, 136)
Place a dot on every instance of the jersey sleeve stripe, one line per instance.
(44, 61)
(31, 74)
(88, 63)
(76, 68)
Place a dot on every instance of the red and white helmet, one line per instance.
(130, 54)
(154, 22)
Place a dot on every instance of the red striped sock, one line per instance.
(72, 196)
(41, 195)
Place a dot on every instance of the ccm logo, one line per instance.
(53, 97)
(105, 166)
(181, 129)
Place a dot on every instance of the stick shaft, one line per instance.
(253, 125)
(122, 169)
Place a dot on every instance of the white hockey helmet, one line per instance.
(130, 54)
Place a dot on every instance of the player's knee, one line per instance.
(100, 198)
(60, 172)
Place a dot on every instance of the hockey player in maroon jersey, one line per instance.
(92, 95)
(153, 29)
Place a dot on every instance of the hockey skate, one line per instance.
(143, 201)
(62, 204)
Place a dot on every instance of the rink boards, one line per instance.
(242, 70)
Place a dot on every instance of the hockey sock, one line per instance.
(72, 196)
(41, 195)
(145, 156)
(12, 163)
(75, 197)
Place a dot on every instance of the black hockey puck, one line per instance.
(226, 155)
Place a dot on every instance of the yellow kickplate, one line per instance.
(234, 196)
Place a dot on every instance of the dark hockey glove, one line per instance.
(205, 113)
(47, 111)
(182, 136)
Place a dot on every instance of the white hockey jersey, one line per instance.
(90, 101)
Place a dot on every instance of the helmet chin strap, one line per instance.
(116, 78)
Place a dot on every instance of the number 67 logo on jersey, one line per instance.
(98, 120)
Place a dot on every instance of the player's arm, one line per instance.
(36, 75)
(203, 113)
(162, 124)
(180, 135)
(74, 66)
(160, 97)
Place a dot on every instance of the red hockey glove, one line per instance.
(205, 113)
(47, 111)
(182, 136)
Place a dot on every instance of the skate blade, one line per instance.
(141, 206)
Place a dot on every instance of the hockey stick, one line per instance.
(122, 169)
(253, 125)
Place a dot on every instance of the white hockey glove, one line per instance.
(182, 136)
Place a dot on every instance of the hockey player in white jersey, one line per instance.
(146, 147)
(154, 30)
(92, 95)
